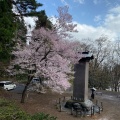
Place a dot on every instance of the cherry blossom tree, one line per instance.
(49, 54)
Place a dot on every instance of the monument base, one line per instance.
(86, 107)
(84, 104)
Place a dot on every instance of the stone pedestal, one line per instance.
(80, 85)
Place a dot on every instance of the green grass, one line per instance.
(9, 111)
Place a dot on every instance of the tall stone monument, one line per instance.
(80, 101)
(80, 85)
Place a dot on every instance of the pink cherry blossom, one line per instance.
(49, 53)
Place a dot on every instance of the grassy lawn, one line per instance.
(9, 111)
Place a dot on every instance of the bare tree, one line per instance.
(100, 49)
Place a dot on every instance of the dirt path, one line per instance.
(111, 105)
(46, 103)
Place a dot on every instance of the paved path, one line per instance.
(111, 105)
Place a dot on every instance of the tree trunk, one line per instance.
(25, 89)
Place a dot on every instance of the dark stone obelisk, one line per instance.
(80, 84)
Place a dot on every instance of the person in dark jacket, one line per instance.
(92, 94)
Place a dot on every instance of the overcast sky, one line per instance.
(93, 17)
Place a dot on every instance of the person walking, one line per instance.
(92, 94)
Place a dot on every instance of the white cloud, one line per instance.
(110, 26)
(108, 2)
(96, 1)
(97, 18)
(54, 4)
(112, 20)
(29, 21)
(64, 2)
(115, 10)
(107, 29)
(79, 1)
(86, 31)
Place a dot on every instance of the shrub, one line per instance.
(42, 116)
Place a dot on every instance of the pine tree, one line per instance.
(7, 29)
(12, 26)
(43, 21)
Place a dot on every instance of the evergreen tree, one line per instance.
(12, 26)
(7, 29)
(43, 21)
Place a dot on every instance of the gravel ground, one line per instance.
(47, 103)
